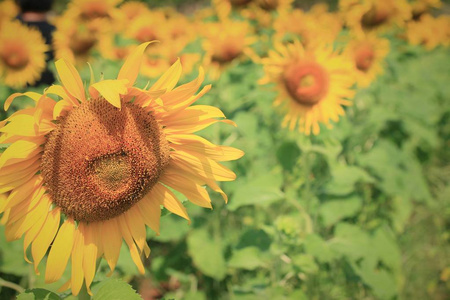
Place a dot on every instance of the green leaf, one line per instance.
(317, 247)
(262, 190)
(336, 210)
(305, 263)
(38, 294)
(115, 289)
(206, 254)
(344, 179)
(287, 155)
(247, 258)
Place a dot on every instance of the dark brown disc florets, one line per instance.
(100, 160)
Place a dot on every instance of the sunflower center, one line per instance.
(364, 58)
(146, 34)
(375, 17)
(14, 56)
(95, 10)
(306, 83)
(240, 2)
(81, 44)
(100, 161)
(269, 5)
(227, 53)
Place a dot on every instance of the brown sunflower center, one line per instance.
(364, 57)
(14, 56)
(376, 16)
(227, 53)
(240, 2)
(82, 43)
(306, 83)
(94, 10)
(100, 161)
(146, 34)
(269, 5)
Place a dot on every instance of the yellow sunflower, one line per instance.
(133, 9)
(147, 27)
(225, 42)
(76, 41)
(367, 52)
(375, 15)
(89, 170)
(429, 31)
(8, 10)
(420, 7)
(313, 84)
(22, 54)
(318, 25)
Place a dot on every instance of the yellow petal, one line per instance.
(132, 64)
(193, 191)
(77, 262)
(60, 252)
(70, 79)
(170, 201)
(203, 166)
(30, 235)
(151, 210)
(32, 95)
(136, 226)
(111, 90)
(112, 241)
(45, 237)
(135, 256)
(169, 79)
(184, 91)
(90, 252)
(17, 151)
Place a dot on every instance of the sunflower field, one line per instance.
(224, 149)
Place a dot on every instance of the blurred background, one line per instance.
(357, 211)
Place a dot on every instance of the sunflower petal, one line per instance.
(111, 90)
(19, 150)
(169, 79)
(170, 201)
(112, 241)
(130, 68)
(77, 262)
(32, 95)
(151, 210)
(60, 252)
(70, 79)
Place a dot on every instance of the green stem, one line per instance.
(11, 285)
(83, 295)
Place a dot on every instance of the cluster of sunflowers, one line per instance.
(139, 142)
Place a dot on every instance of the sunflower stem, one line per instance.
(11, 285)
(83, 295)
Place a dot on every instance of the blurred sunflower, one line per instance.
(375, 15)
(134, 9)
(225, 42)
(147, 27)
(22, 54)
(429, 31)
(318, 25)
(8, 10)
(420, 7)
(313, 84)
(76, 41)
(224, 7)
(367, 52)
(90, 170)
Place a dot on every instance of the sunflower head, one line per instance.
(96, 167)
(313, 84)
(22, 54)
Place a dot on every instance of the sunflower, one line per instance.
(8, 10)
(313, 84)
(225, 42)
(318, 25)
(96, 168)
(134, 9)
(420, 7)
(147, 27)
(375, 15)
(429, 31)
(22, 54)
(76, 41)
(367, 52)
